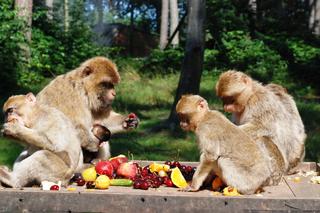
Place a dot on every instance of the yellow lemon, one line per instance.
(89, 174)
(102, 182)
(178, 179)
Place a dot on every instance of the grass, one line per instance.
(151, 99)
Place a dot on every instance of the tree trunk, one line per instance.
(174, 19)
(314, 19)
(191, 72)
(164, 24)
(24, 8)
(99, 6)
(66, 15)
(49, 5)
(252, 16)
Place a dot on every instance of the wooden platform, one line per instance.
(292, 195)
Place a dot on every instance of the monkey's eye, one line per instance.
(107, 85)
(10, 110)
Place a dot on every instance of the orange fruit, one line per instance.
(178, 179)
(216, 184)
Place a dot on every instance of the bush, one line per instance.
(11, 40)
(253, 57)
(163, 61)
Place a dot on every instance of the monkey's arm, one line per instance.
(203, 170)
(116, 122)
(29, 136)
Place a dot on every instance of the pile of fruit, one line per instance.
(118, 171)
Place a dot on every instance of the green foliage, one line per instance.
(302, 52)
(11, 40)
(253, 57)
(163, 61)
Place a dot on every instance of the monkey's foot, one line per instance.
(188, 189)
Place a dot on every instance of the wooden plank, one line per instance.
(302, 187)
(144, 201)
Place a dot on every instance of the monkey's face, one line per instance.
(18, 108)
(234, 89)
(186, 123)
(100, 76)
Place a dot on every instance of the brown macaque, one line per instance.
(85, 95)
(264, 112)
(56, 150)
(226, 149)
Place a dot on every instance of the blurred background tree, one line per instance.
(272, 40)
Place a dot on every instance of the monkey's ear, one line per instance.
(247, 80)
(31, 97)
(202, 104)
(86, 72)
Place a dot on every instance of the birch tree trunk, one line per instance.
(66, 15)
(24, 8)
(174, 20)
(314, 19)
(49, 5)
(164, 24)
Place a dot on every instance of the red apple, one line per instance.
(104, 168)
(116, 161)
(127, 170)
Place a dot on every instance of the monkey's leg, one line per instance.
(40, 166)
(103, 153)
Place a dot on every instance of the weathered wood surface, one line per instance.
(289, 196)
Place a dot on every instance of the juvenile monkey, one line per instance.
(85, 95)
(56, 149)
(226, 149)
(264, 111)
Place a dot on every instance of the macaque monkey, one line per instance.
(85, 95)
(226, 149)
(56, 147)
(264, 111)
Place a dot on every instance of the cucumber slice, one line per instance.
(121, 182)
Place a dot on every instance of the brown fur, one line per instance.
(56, 152)
(85, 95)
(264, 112)
(225, 149)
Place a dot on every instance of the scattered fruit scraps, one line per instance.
(315, 180)
(230, 191)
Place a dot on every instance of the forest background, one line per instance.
(152, 44)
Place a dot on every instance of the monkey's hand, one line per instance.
(189, 189)
(11, 128)
(131, 122)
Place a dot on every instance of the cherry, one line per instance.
(137, 184)
(189, 169)
(90, 185)
(144, 186)
(80, 182)
(168, 183)
(54, 188)
(176, 164)
(168, 163)
(132, 115)
(183, 168)
(145, 172)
